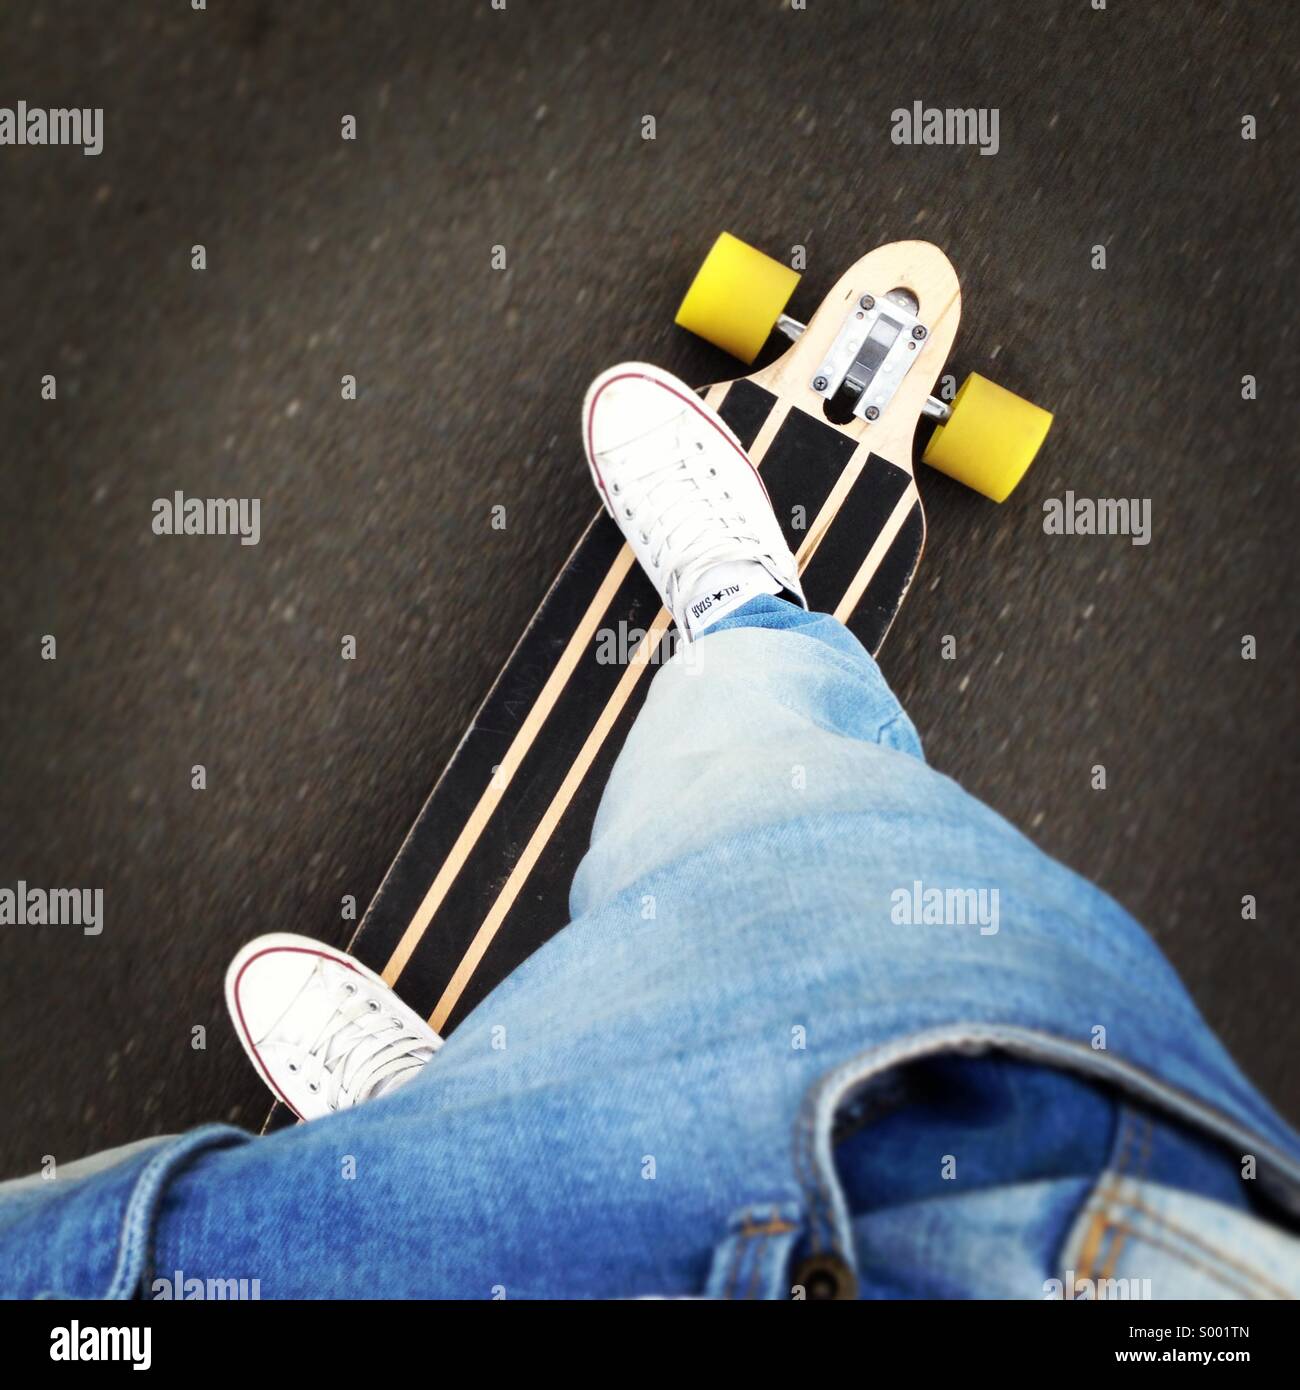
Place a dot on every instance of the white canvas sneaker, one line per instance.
(325, 1032)
(692, 506)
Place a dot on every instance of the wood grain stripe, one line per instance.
(509, 765)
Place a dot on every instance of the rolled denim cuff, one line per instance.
(92, 1237)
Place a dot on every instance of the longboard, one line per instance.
(482, 879)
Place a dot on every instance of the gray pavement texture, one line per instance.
(522, 128)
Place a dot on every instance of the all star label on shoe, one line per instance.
(710, 601)
(724, 589)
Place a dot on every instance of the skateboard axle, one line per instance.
(792, 328)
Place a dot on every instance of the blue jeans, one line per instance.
(822, 1025)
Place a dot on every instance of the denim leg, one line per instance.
(744, 729)
(657, 1089)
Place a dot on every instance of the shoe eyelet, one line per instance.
(373, 1005)
(293, 1067)
(698, 445)
(615, 489)
(313, 1087)
(713, 472)
(349, 988)
(645, 540)
(627, 512)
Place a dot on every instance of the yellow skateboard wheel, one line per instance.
(990, 438)
(736, 297)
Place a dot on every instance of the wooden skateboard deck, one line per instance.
(482, 879)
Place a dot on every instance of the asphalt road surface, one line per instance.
(524, 128)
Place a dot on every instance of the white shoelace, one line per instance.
(360, 1051)
(718, 536)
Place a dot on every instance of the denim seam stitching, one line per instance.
(1142, 1127)
(759, 1251)
(755, 1224)
(1218, 1275)
(143, 1201)
(737, 1250)
(138, 1208)
(1100, 1224)
(806, 1163)
(1138, 1209)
